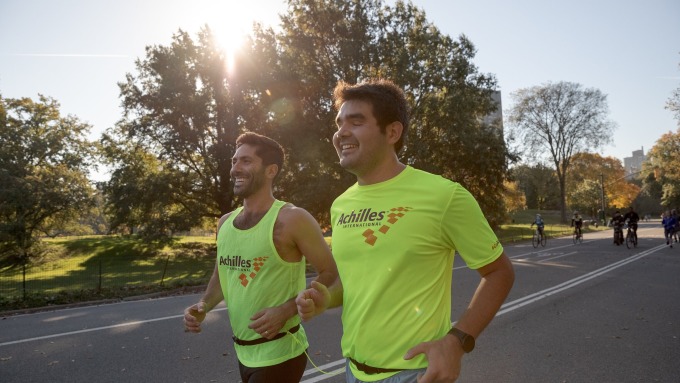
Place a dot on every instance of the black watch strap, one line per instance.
(466, 340)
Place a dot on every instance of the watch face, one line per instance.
(468, 343)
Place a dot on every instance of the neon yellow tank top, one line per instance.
(254, 277)
(394, 245)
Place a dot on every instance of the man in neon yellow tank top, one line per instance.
(394, 236)
(260, 268)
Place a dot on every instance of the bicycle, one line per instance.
(631, 238)
(618, 234)
(538, 238)
(577, 236)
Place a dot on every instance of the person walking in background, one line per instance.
(395, 232)
(676, 229)
(260, 268)
(669, 222)
(577, 223)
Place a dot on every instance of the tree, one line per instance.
(180, 110)
(663, 162)
(140, 193)
(673, 104)
(325, 41)
(185, 109)
(514, 198)
(586, 197)
(649, 200)
(538, 185)
(44, 159)
(585, 182)
(558, 120)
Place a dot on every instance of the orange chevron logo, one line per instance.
(393, 217)
(258, 263)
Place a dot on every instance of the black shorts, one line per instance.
(289, 371)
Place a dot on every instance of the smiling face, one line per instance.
(359, 142)
(247, 171)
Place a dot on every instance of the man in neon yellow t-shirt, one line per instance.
(395, 233)
(260, 268)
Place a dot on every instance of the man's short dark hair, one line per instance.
(267, 149)
(388, 101)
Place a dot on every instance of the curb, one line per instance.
(160, 294)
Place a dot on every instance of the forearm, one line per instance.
(327, 277)
(492, 291)
(288, 308)
(336, 291)
(213, 292)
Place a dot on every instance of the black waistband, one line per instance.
(253, 342)
(373, 370)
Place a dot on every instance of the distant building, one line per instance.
(497, 116)
(633, 164)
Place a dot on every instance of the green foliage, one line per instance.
(586, 198)
(43, 173)
(326, 41)
(141, 193)
(539, 185)
(661, 170)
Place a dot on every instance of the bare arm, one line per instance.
(194, 314)
(326, 290)
(302, 230)
(309, 240)
(497, 280)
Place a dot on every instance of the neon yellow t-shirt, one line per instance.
(394, 244)
(254, 277)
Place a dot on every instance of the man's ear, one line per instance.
(271, 171)
(394, 131)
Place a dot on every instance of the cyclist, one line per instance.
(632, 218)
(617, 223)
(669, 222)
(539, 225)
(577, 223)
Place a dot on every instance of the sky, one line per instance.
(76, 51)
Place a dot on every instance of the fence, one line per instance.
(105, 273)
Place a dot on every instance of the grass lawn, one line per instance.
(107, 267)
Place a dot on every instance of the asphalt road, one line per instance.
(591, 312)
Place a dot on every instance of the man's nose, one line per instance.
(235, 166)
(342, 130)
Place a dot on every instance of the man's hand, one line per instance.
(268, 322)
(443, 359)
(194, 316)
(313, 301)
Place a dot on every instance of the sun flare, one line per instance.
(230, 40)
(231, 22)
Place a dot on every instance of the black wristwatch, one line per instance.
(466, 340)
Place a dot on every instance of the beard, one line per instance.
(250, 186)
